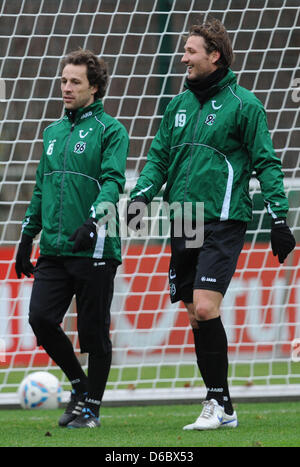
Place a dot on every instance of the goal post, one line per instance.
(153, 354)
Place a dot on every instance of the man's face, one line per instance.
(199, 63)
(75, 87)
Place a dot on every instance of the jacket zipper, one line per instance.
(62, 185)
(191, 154)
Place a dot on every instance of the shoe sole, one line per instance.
(78, 427)
(198, 428)
(226, 424)
(230, 424)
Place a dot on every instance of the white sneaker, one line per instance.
(230, 421)
(211, 417)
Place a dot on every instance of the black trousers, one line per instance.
(56, 281)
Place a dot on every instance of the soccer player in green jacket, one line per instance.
(79, 178)
(213, 136)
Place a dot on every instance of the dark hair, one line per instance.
(97, 70)
(216, 38)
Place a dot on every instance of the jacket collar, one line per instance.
(211, 85)
(82, 113)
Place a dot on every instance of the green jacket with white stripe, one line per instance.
(81, 170)
(208, 154)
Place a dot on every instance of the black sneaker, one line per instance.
(73, 408)
(85, 420)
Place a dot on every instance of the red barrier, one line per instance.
(261, 295)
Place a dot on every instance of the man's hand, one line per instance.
(282, 239)
(135, 212)
(23, 264)
(85, 236)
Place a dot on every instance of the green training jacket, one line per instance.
(82, 166)
(208, 154)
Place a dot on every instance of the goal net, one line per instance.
(153, 353)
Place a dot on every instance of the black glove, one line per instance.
(23, 264)
(282, 239)
(135, 210)
(85, 236)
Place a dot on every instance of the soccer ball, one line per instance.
(40, 390)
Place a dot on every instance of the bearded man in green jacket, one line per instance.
(79, 179)
(213, 136)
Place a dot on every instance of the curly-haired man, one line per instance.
(81, 169)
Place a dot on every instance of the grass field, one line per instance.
(260, 425)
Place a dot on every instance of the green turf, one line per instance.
(260, 425)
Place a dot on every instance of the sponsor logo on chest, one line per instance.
(80, 146)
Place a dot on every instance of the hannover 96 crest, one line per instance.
(210, 119)
(79, 147)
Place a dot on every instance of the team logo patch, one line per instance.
(83, 133)
(210, 119)
(79, 147)
(172, 289)
(215, 106)
(172, 277)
